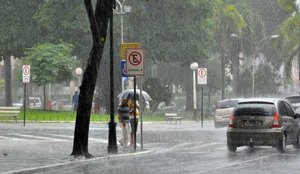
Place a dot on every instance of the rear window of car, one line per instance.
(227, 104)
(293, 99)
(255, 109)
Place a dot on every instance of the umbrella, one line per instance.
(129, 94)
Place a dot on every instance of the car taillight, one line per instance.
(276, 123)
(231, 121)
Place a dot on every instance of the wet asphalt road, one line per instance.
(170, 148)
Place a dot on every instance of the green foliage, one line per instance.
(50, 63)
(266, 83)
(64, 20)
(1, 84)
(158, 92)
(167, 34)
(18, 30)
(232, 13)
(288, 5)
(289, 43)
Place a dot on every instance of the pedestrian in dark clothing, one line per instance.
(75, 100)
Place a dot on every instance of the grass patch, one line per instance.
(70, 116)
(67, 116)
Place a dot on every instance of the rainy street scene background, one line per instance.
(150, 86)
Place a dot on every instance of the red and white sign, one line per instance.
(26, 73)
(202, 76)
(135, 62)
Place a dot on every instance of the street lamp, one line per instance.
(122, 10)
(194, 67)
(255, 47)
(78, 72)
(112, 137)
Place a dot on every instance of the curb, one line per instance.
(74, 163)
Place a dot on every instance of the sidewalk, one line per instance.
(40, 147)
(34, 152)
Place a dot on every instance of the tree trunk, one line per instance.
(189, 88)
(99, 25)
(7, 69)
(222, 72)
(235, 70)
(44, 97)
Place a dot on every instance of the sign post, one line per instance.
(202, 80)
(26, 79)
(135, 67)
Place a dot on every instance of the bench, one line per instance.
(10, 112)
(172, 116)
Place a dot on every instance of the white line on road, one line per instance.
(100, 140)
(232, 164)
(37, 137)
(12, 138)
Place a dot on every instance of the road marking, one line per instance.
(12, 138)
(100, 140)
(233, 164)
(37, 137)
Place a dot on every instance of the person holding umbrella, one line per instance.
(123, 111)
(134, 124)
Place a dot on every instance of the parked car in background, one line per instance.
(263, 122)
(223, 111)
(34, 103)
(61, 105)
(295, 101)
(163, 107)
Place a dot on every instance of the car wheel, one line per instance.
(281, 146)
(297, 143)
(231, 147)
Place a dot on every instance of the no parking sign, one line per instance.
(26, 73)
(135, 62)
(202, 76)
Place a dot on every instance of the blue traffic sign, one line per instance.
(123, 68)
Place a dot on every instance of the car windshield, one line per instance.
(227, 104)
(255, 109)
(293, 99)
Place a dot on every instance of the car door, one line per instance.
(287, 121)
(294, 124)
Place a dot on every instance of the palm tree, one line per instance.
(227, 20)
(290, 34)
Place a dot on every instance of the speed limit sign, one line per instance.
(26, 73)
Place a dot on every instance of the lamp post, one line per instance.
(255, 47)
(122, 10)
(78, 72)
(194, 67)
(112, 137)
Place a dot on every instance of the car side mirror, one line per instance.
(297, 115)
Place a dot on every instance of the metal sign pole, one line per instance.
(141, 112)
(201, 106)
(24, 105)
(134, 118)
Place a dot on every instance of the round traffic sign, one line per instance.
(135, 58)
(202, 72)
(26, 70)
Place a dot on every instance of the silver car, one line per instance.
(223, 111)
(263, 122)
